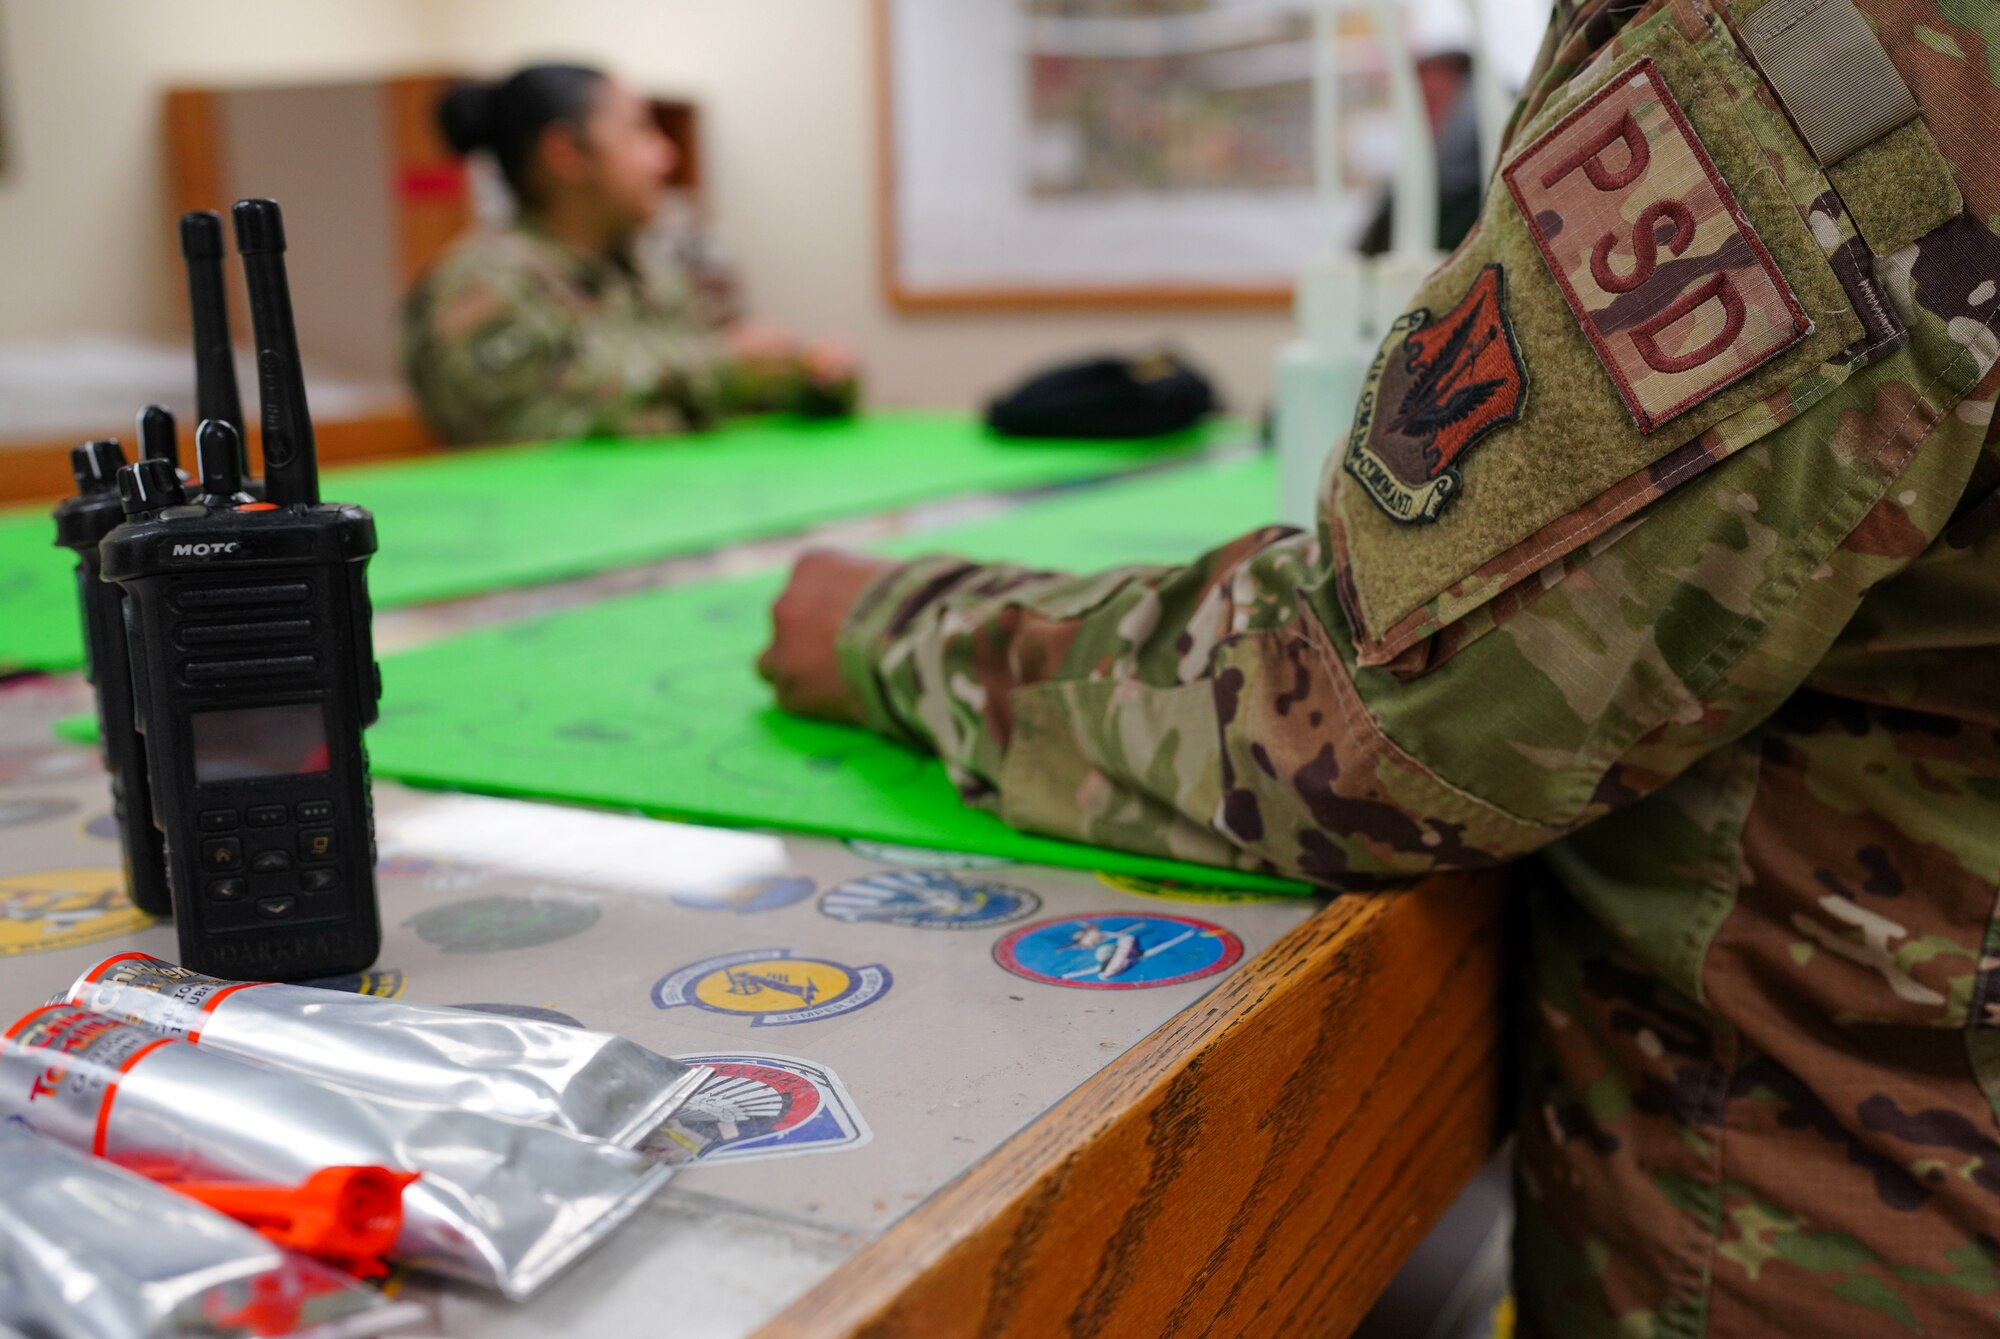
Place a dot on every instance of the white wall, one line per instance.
(787, 95)
(84, 238)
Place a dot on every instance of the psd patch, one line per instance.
(772, 988)
(1132, 951)
(1609, 187)
(929, 898)
(763, 1106)
(1439, 384)
(61, 908)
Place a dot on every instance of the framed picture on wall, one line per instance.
(1039, 153)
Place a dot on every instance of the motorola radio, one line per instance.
(81, 522)
(254, 673)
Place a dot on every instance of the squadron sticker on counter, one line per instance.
(747, 896)
(1112, 951)
(61, 908)
(773, 988)
(498, 923)
(1179, 890)
(922, 857)
(384, 983)
(928, 898)
(762, 1106)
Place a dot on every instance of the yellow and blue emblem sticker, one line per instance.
(928, 898)
(772, 987)
(62, 908)
(1113, 951)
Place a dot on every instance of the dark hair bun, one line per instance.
(465, 115)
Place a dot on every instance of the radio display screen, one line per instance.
(247, 743)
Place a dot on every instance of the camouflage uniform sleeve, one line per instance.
(491, 356)
(1233, 711)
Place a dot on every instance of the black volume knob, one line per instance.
(96, 465)
(149, 485)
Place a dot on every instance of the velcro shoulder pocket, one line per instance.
(1661, 275)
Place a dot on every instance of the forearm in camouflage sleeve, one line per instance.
(1215, 712)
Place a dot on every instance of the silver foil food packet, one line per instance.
(497, 1203)
(593, 1084)
(89, 1250)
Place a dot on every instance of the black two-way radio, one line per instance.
(81, 522)
(248, 634)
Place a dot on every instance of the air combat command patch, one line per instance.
(929, 898)
(61, 908)
(772, 988)
(762, 1106)
(1111, 951)
(1439, 384)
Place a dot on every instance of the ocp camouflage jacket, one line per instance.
(1666, 548)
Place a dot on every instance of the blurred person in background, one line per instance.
(562, 323)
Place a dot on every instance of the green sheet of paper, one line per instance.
(487, 520)
(649, 702)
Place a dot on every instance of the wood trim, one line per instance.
(39, 471)
(429, 197)
(1261, 1165)
(905, 298)
(196, 173)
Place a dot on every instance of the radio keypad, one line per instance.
(280, 860)
(220, 820)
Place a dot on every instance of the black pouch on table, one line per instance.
(1145, 396)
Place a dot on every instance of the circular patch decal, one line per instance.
(1179, 890)
(772, 988)
(104, 825)
(1111, 951)
(534, 1013)
(928, 898)
(764, 1106)
(918, 857)
(384, 983)
(61, 908)
(748, 896)
(498, 923)
(13, 813)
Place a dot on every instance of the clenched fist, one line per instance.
(800, 662)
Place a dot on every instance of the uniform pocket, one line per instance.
(1661, 276)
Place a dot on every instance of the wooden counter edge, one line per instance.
(1260, 1164)
(38, 471)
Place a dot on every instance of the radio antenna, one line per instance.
(214, 356)
(291, 464)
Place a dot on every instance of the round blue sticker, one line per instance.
(1118, 951)
(929, 898)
